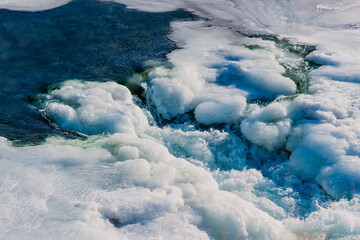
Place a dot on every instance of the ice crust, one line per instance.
(214, 75)
(320, 128)
(130, 180)
(95, 108)
(156, 195)
(31, 5)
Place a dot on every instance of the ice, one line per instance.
(219, 105)
(134, 191)
(31, 5)
(135, 182)
(128, 152)
(325, 136)
(214, 75)
(320, 128)
(94, 108)
(172, 226)
(43, 193)
(139, 205)
(128, 179)
(268, 127)
(339, 221)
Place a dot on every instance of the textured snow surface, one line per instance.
(320, 128)
(268, 162)
(31, 5)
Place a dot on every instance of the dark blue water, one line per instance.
(84, 39)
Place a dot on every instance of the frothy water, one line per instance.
(233, 126)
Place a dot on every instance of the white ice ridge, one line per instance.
(31, 5)
(265, 15)
(214, 74)
(82, 189)
(332, 26)
(66, 188)
(320, 128)
(95, 108)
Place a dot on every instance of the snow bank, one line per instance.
(31, 5)
(214, 74)
(95, 108)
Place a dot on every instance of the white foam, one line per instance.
(95, 108)
(128, 152)
(251, 185)
(325, 128)
(326, 134)
(139, 205)
(170, 226)
(44, 193)
(339, 221)
(216, 104)
(134, 181)
(214, 74)
(76, 184)
(69, 188)
(268, 127)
